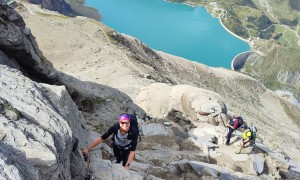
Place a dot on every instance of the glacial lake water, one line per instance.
(182, 30)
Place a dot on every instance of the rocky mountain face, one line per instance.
(104, 73)
(40, 125)
(18, 44)
(55, 5)
(292, 78)
(68, 8)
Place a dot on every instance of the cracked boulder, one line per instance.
(17, 43)
(194, 103)
(39, 132)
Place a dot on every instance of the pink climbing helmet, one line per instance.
(124, 117)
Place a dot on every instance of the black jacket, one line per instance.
(132, 135)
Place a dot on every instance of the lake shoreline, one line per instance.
(83, 10)
(227, 33)
(220, 20)
(230, 32)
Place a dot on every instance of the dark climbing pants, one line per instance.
(121, 154)
(229, 135)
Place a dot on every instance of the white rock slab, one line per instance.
(258, 163)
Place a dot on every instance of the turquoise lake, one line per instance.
(185, 31)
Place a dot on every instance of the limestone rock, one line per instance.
(204, 169)
(96, 100)
(11, 114)
(63, 103)
(61, 100)
(22, 47)
(7, 61)
(158, 142)
(101, 169)
(151, 177)
(139, 66)
(191, 144)
(191, 101)
(45, 112)
(40, 127)
(119, 173)
(14, 165)
(137, 166)
(206, 136)
(163, 158)
(295, 172)
(289, 78)
(148, 99)
(59, 5)
(153, 129)
(258, 163)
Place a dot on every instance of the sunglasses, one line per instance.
(125, 122)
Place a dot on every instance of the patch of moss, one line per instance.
(5, 107)
(88, 104)
(99, 128)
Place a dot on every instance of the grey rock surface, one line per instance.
(61, 100)
(162, 158)
(38, 131)
(55, 5)
(153, 129)
(139, 66)
(22, 47)
(37, 117)
(195, 103)
(99, 103)
(258, 163)
(14, 165)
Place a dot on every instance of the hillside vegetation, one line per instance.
(272, 27)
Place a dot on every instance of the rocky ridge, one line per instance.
(173, 137)
(68, 8)
(59, 5)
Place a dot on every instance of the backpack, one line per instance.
(237, 122)
(240, 121)
(134, 121)
(254, 131)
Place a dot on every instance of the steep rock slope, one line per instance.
(40, 125)
(55, 5)
(136, 66)
(68, 8)
(98, 53)
(31, 124)
(17, 42)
